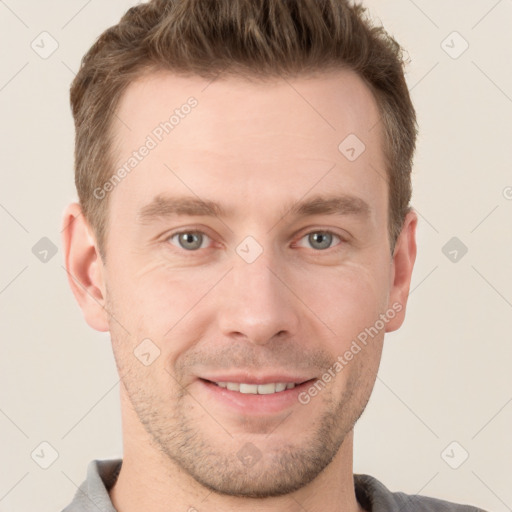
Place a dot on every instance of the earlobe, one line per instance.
(84, 267)
(401, 270)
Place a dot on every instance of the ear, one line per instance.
(402, 265)
(84, 267)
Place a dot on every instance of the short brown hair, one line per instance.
(258, 38)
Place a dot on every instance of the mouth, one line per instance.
(247, 388)
(245, 397)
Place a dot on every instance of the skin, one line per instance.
(252, 147)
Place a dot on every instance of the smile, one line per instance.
(256, 389)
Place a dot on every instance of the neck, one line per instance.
(149, 480)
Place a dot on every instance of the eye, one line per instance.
(321, 240)
(189, 240)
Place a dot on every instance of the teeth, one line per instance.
(264, 389)
(248, 388)
(256, 389)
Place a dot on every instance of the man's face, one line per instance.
(260, 292)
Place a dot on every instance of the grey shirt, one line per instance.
(92, 496)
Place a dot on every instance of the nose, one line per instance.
(256, 302)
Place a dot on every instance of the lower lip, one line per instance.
(246, 403)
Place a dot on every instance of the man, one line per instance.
(244, 232)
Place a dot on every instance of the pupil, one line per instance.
(191, 240)
(323, 239)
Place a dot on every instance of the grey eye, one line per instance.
(189, 241)
(320, 240)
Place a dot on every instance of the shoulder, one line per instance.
(93, 493)
(376, 497)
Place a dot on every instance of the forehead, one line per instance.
(257, 139)
(332, 102)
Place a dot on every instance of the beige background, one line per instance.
(445, 376)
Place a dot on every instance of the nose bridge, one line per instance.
(255, 302)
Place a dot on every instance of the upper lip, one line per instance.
(256, 379)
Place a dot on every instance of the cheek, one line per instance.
(170, 307)
(145, 294)
(347, 299)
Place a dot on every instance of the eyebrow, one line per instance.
(344, 204)
(163, 206)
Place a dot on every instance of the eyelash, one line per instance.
(194, 232)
